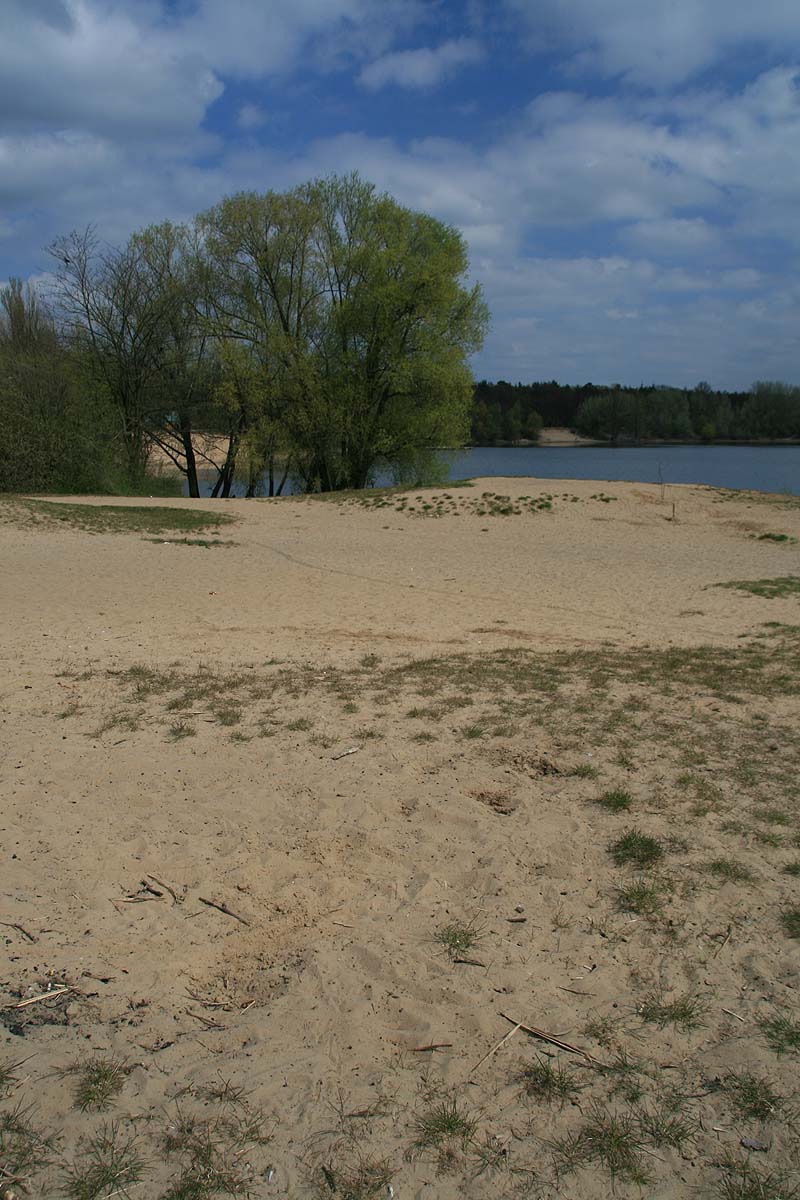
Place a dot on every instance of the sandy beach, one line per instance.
(307, 823)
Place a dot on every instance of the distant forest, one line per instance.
(504, 413)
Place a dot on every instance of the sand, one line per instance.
(467, 797)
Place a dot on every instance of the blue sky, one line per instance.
(626, 172)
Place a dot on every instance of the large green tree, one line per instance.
(357, 313)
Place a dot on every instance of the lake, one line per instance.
(757, 468)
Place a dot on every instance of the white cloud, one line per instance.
(672, 236)
(251, 116)
(98, 70)
(659, 44)
(657, 203)
(422, 68)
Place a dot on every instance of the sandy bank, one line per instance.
(356, 728)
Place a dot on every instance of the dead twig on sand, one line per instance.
(209, 1022)
(60, 991)
(494, 1049)
(19, 929)
(344, 753)
(469, 962)
(222, 907)
(723, 943)
(176, 899)
(549, 1037)
(433, 1046)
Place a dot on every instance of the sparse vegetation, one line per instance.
(458, 938)
(642, 896)
(685, 1012)
(123, 518)
(768, 589)
(25, 1150)
(543, 1080)
(109, 1162)
(615, 801)
(790, 920)
(609, 1139)
(636, 849)
(782, 1033)
(444, 1123)
(353, 1175)
(730, 871)
(97, 1082)
(752, 1097)
(743, 1180)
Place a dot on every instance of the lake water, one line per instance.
(760, 468)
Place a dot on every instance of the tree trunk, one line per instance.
(191, 462)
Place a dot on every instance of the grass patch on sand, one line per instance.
(615, 801)
(743, 1180)
(768, 589)
(458, 938)
(124, 518)
(730, 871)
(544, 1080)
(642, 896)
(109, 1162)
(790, 920)
(97, 1083)
(636, 849)
(782, 1033)
(685, 1012)
(752, 1097)
(446, 1126)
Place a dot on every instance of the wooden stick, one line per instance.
(207, 1021)
(733, 1014)
(344, 754)
(548, 1037)
(433, 1046)
(469, 962)
(160, 882)
(222, 907)
(722, 945)
(19, 928)
(148, 887)
(44, 996)
(494, 1049)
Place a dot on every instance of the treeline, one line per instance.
(504, 412)
(323, 332)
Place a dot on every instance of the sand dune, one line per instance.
(367, 732)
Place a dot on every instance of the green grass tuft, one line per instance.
(730, 871)
(606, 1139)
(615, 801)
(543, 1080)
(769, 589)
(782, 1033)
(642, 896)
(752, 1097)
(790, 919)
(636, 849)
(686, 1012)
(458, 937)
(107, 1163)
(97, 1082)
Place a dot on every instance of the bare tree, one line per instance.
(116, 312)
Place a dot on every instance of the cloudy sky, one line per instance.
(626, 172)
